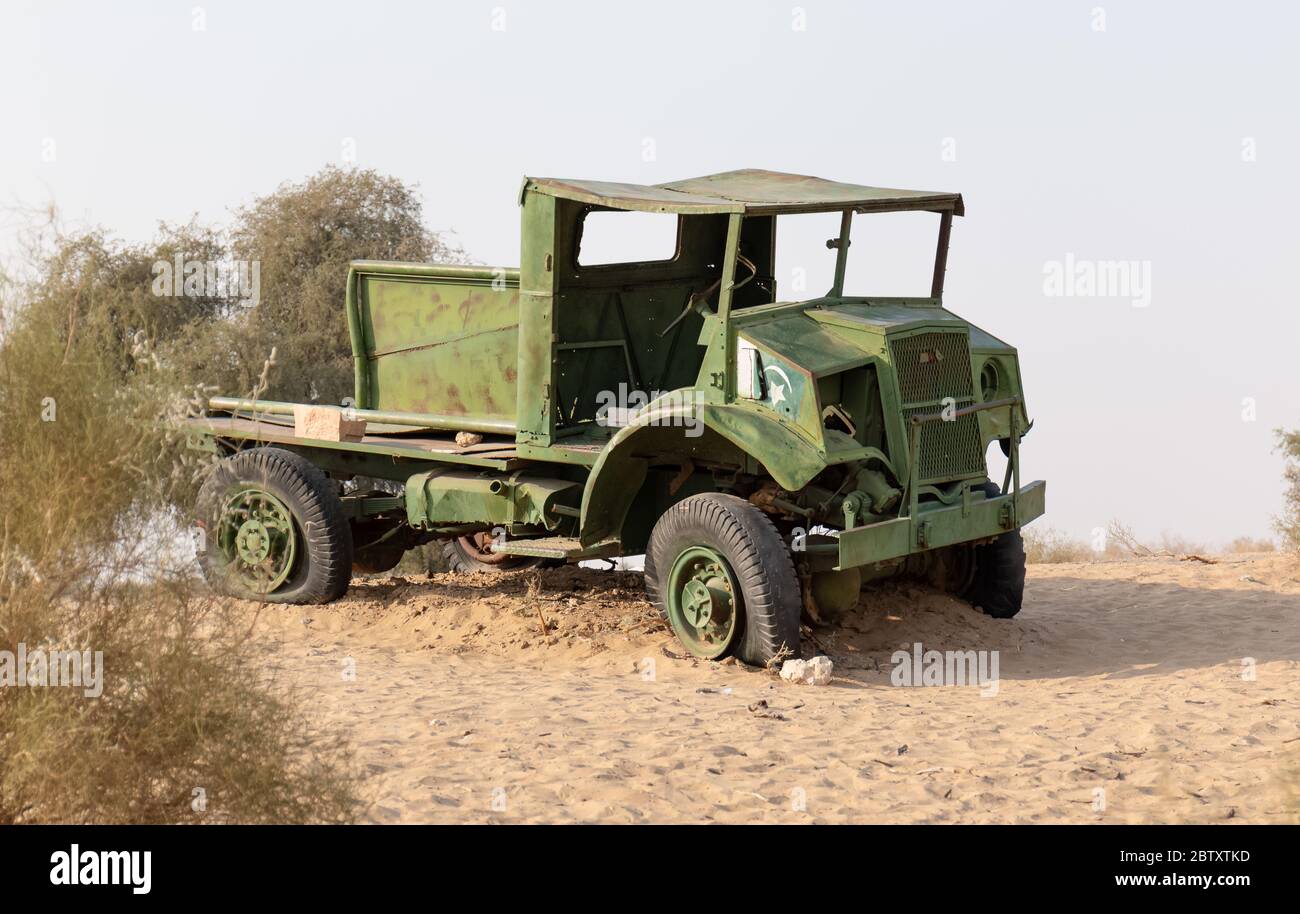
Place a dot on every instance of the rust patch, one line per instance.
(489, 404)
(455, 405)
(467, 307)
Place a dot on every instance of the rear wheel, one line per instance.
(377, 545)
(273, 530)
(377, 559)
(951, 569)
(474, 553)
(719, 570)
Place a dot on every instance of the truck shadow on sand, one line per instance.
(1072, 627)
(1069, 626)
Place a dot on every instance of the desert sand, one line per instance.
(1132, 692)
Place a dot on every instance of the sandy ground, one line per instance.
(1125, 695)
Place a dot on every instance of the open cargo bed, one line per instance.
(381, 439)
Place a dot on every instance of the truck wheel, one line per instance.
(372, 553)
(998, 587)
(273, 530)
(474, 553)
(377, 559)
(951, 569)
(718, 569)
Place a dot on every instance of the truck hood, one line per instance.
(831, 336)
(882, 317)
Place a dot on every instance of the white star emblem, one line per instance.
(776, 387)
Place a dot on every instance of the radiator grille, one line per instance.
(931, 367)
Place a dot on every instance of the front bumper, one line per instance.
(941, 525)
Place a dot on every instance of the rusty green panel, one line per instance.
(880, 315)
(441, 341)
(738, 428)
(941, 525)
(795, 351)
(535, 414)
(442, 498)
(880, 327)
(796, 335)
(786, 388)
(1005, 366)
(616, 478)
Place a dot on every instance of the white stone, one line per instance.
(821, 670)
(816, 671)
(792, 670)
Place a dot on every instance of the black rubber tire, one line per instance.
(322, 570)
(372, 553)
(951, 569)
(461, 561)
(998, 588)
(759, 559)
(377, 559)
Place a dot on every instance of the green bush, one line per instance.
(94, 368)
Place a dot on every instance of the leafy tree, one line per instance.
(303, 235)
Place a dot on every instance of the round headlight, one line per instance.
(989, 380)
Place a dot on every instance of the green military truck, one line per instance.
(768, 457)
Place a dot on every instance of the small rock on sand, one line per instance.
(816, 671)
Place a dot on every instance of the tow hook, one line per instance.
(1007, 516)
(923, 533)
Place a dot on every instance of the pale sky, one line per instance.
(1164, 134)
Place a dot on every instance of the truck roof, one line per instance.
(748, 190)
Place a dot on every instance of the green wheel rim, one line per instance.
(258, 538)
(703, 602)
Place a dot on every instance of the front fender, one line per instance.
(620, 470)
